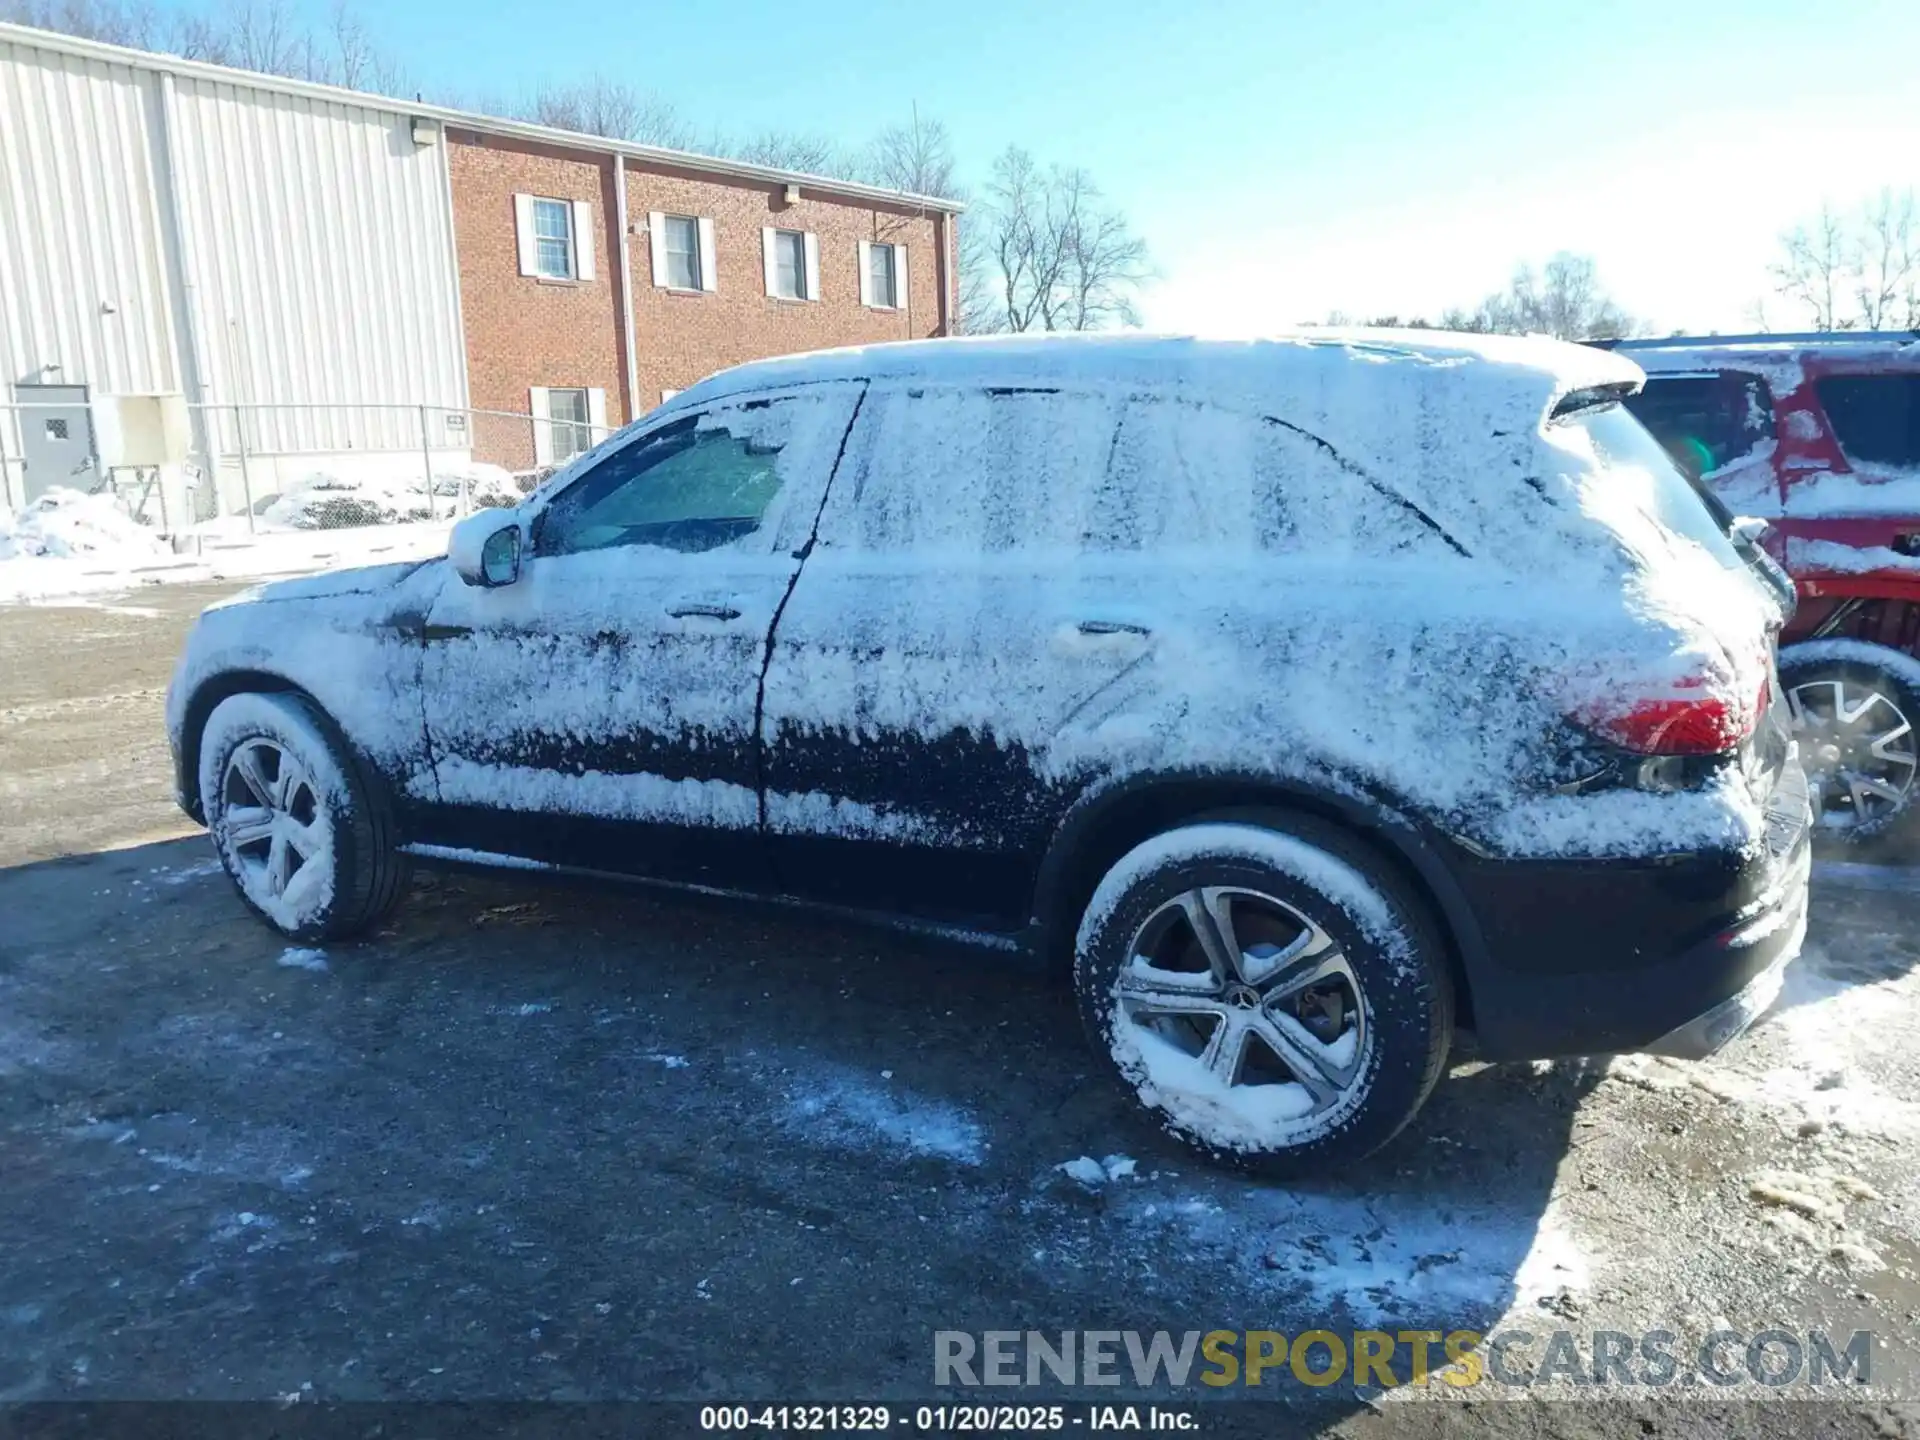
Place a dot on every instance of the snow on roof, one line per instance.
(1756, 352)
(1532, 369)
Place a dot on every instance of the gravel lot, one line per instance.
(531, 1141)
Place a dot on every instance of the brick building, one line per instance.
(318, 281)
(595, 284)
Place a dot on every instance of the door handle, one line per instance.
(445, 632)
(702, 609)
(1111, 627)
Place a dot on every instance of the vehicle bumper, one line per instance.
(1704, 1034)
(1674, 957)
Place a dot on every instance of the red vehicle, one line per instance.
(1819, 436)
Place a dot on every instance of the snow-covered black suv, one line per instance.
(1317, 696)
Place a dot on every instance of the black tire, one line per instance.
(354, 873)
(1389, 942)
(1809, 680)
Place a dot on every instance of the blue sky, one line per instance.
(1287, 158)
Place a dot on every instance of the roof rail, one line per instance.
(1808, 337)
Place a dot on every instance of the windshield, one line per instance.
(1637, 464)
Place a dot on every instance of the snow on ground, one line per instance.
(234, 555)
(66, 535)
(68, 543)
(849, 1110)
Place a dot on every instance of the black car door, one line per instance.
(600, 711)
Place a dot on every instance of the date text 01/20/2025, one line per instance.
(946, 1419)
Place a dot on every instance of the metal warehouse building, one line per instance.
(211, 279)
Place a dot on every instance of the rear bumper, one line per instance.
(1710, 1031)
(1674, 956)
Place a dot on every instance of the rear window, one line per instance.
(1875, 417)
(1706, 422)
(1640, 464)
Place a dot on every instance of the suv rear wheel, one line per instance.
(1855, 721)
(1270, 995)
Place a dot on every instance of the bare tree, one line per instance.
(1855, 269)
(599, 105)
(1564, 299)
(916, 157)
(1813, 268)
(1887, 261)
(1062, 258)
(264, 35)
(111, 21)
(808, 154)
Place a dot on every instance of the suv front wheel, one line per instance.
(308, 841)
(1270, 995)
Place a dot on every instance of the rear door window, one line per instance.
(969, 471)
(1706, 422)
(1875, 417)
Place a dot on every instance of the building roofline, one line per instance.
(27, 35)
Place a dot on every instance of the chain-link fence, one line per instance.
(264, 468)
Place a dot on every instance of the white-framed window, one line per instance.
(683, 251)
(883, 275)
(567, 421)
(570, 432)
(555, 237)
(793, 263)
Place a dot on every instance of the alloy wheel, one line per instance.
(272, 824)
(1252, 988)
(1858, 747)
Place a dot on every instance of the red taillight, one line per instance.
(1678, 724)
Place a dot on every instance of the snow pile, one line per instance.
(68, 524)
(323, 501)
(67, 541)
(1094, 1173)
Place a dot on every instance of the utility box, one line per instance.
(141, 431)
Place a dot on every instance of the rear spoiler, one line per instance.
(1592, 397)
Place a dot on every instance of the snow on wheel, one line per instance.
(1269, 995)
(1855, 706)
(306, 841)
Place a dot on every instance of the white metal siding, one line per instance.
(320, 264)
(82, 272)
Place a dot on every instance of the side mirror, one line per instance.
(484, 549)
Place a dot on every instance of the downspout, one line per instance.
(195, 384)
(946, 272)
(626, 286)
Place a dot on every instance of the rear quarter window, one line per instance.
(1876, 418)
(1637, 468)
(1191, 473)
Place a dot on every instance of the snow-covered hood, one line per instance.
(360, 580)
